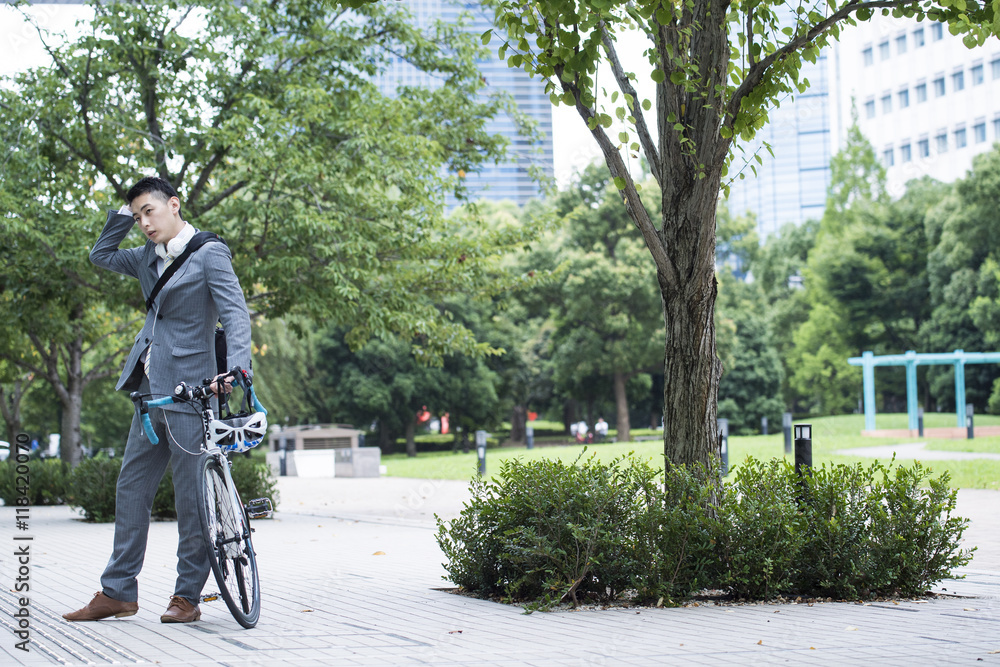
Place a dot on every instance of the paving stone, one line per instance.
(327, 598)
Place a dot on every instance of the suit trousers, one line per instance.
(143, 466)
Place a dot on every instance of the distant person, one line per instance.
(582, 431)
(601, 429)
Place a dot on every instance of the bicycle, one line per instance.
(225, 520)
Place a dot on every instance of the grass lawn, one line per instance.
(829, 435)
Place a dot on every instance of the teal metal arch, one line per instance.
(959, 358)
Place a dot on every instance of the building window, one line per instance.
(901, 44)
(869, 57)
(886, 103)
(958, 81)
(995, 68)
(960, 138)
(883, 50)
(921, 92)
(887, 156)
(904, 98)
(977, 75)
(979, 131)
(939, 87)
(918, 38)
(941, 143)
(904, 153)
(870, 109)
(924, 148)
(937, 32)
(996, 129)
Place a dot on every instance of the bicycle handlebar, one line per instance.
(184, 394)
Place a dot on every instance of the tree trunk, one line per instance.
(411, 433)
(71, 397)
(569, 414)
(386, 443)
(10, 406)
(518, 424)
(621, 405)
(691, 366)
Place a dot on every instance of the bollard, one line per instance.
(803, 447)
(786, 428)
(920, 422)
(763, 425)
(481, 450)
(529, 436)
(968, 421)
(283, 456)
(724, 446)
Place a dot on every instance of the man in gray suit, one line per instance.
(176, 343)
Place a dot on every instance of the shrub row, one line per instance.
(545, 532)
(91, 485)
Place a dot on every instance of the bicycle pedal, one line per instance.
(260, 508)
(210, 597)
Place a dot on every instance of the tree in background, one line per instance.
(750, 387)
(607, 318)
(718, 69)
(383, 385)
(838, 282)
(964, 233)
(267, 119)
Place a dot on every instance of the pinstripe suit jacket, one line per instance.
(180, 328)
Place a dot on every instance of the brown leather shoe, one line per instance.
(180, 611)
(102, 607)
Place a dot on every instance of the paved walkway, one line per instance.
(916, 450)
(364, 591)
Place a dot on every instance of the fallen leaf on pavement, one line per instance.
(305, 610)
(760, 643)
(378, 553)
(969, 609)
(850, 628)
(454, 632)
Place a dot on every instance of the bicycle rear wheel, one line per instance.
(226, 530)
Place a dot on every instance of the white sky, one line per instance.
(573, 146)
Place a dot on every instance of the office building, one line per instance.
(926, 102)
(510, 180)
(789, 187)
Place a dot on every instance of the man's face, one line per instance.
(158, 218)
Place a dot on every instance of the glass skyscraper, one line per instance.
(792, 185)
(510, 180)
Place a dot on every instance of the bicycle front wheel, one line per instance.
(226, 530)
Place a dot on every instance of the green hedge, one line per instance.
(545, 532)
(92, 487)
(46, 481)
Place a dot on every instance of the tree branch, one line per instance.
(645, 138)
(633, 204)
(222, 195)
(758, 69)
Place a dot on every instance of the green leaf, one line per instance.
(486, 36)
(619, 182)
(658, 76)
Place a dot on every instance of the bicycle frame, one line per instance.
(225, 519)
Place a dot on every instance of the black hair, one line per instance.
(152, 184)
